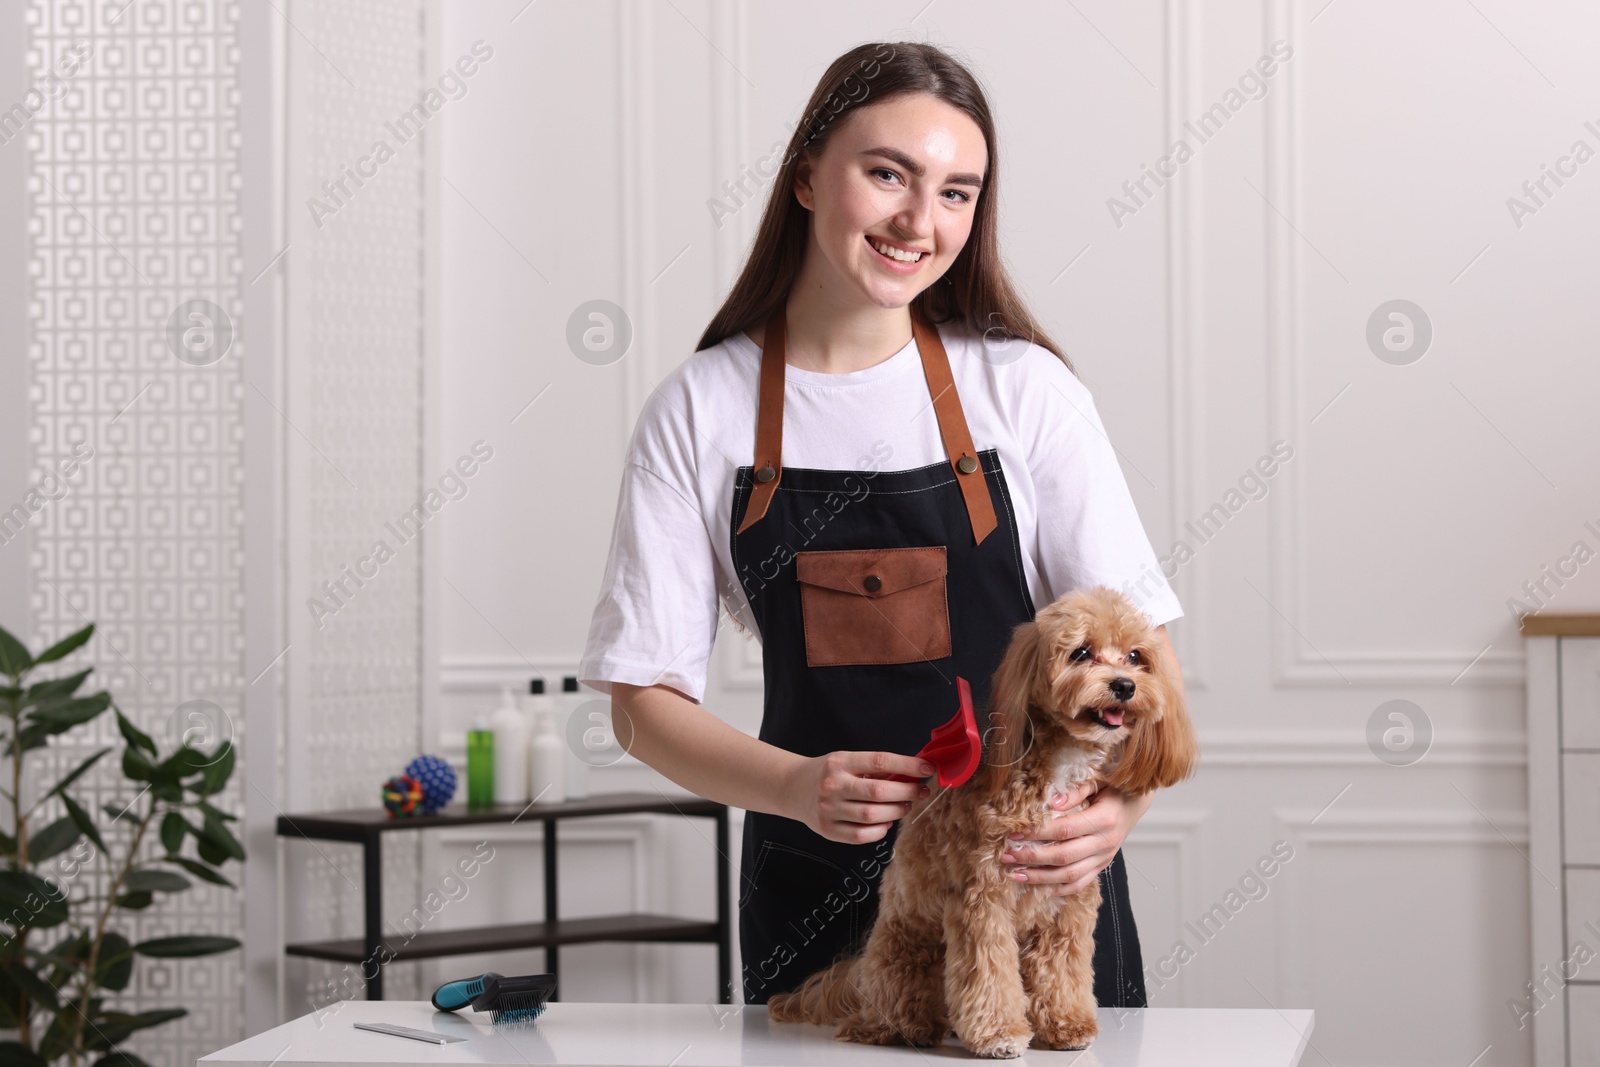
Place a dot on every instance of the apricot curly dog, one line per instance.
(1085, 690)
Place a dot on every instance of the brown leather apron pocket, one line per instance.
(875, 605)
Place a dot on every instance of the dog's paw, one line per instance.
(998, 1046)
(1067, 1033)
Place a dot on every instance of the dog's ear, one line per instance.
(1164, 752)
(1005, 738)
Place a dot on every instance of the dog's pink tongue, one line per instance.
(1112, 716)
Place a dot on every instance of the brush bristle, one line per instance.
(518, 1007)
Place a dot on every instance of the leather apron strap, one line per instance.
(946, 405)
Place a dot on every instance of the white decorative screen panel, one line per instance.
(136, 363)
(354, 407)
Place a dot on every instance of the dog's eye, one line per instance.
(1135, 656)
(1080, 653)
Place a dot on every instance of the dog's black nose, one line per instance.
(1122, 688)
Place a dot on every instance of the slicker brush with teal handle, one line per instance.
(506, 999)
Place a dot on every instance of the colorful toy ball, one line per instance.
(402, 795)
(438, 780)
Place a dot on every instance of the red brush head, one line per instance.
(955, 748)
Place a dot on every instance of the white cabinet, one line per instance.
(1583, 916)
(1562, 999)
(1580, 693)
(1580, 808)
(1584, 1011)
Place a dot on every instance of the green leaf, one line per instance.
(186, 945)
(16, 1054)
(66, 646)
(76, 813)
(217, 772)
(114, 967)
(8, 845)
(212, 854)
(166, 788)
(47, 721)
(10, 1002)
(55, 838)
(173, 830)
(57, 1038)
(215, 812)
(60, 714)
(200, 870)
(184, 762)
(58, 962)
(30, 901)
(36, 987)
(77, 772)
(114, 1027)
(14, 658)
(157, 880)
(119, 811)
(135, 766)
(135, 901)
(30, 738)
(135, 736)
(70, 956)
(213, 831)
(55, 687)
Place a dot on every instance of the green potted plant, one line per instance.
(60, 951)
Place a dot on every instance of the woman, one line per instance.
(926, 470)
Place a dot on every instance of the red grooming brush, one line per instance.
(954, 748)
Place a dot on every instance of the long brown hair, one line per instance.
(975, 290)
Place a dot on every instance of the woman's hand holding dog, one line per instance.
(849, 796)
(1071, 849)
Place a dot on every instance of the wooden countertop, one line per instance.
(1548, 623)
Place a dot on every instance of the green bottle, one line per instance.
(480, 765)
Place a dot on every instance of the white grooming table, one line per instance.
(717, 1035)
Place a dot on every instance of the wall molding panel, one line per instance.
(1391, 827)
(1185, 256)
(1182, 831)
(1295, 662)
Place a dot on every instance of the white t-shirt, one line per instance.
(670, 564)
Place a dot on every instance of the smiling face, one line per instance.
(892, 197)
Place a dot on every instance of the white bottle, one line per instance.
(511, 731)
(548, 759)
(577, 770)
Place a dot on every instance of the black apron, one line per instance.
(907, 579)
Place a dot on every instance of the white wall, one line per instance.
(1227, 314)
